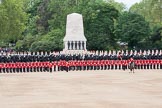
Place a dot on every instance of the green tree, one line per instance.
(12, 20)
(133, 29)
(119, 6)
(49, 42)
(32, 11)
(151, 10)
(156, 38)
(99, 26)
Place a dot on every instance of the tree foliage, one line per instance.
(12, 20)
(39, 25)
(99, 26)
(133, 29)
(151, 10)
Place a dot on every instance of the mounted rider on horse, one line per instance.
(131, 65)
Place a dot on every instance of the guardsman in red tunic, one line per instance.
(10, 67)
(154, 64)
(34, 67)
(79, 65)
(17, 67)
(20, 67)
(84, 64)
(40, 66)
(14, 67)
(108, 64)
(30, 66)
(116, 64)
(160, 64)
(76, 65)
(144, 64)
(101, 64)
(98, 64)
(0, 67)
(72, 65)
(120, 56)
(23, 66)
(135, 62)
(37, 66)
(66, 66)
(43, 66)
(46, 66)
(27, 65)
(147, 64)
(54, 63)
(112, 64)
(88, 65)
(3, 67)
(123, 64)
(50, 65)
(105, 65)
(141, 63)
(126, 64)
(63, 64)
(151, 63)
(58, 64)
(94, 64)
(6, 67)
(138, 64)
(119, 64)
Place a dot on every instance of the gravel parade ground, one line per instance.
(82, 89)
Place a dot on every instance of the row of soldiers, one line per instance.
(7, 58)
(72, 65)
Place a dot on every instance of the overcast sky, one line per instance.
(128, 3)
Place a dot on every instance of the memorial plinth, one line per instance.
(74, 38)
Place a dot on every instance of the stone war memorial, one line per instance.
(74, 39)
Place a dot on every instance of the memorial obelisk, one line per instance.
(74, 39)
